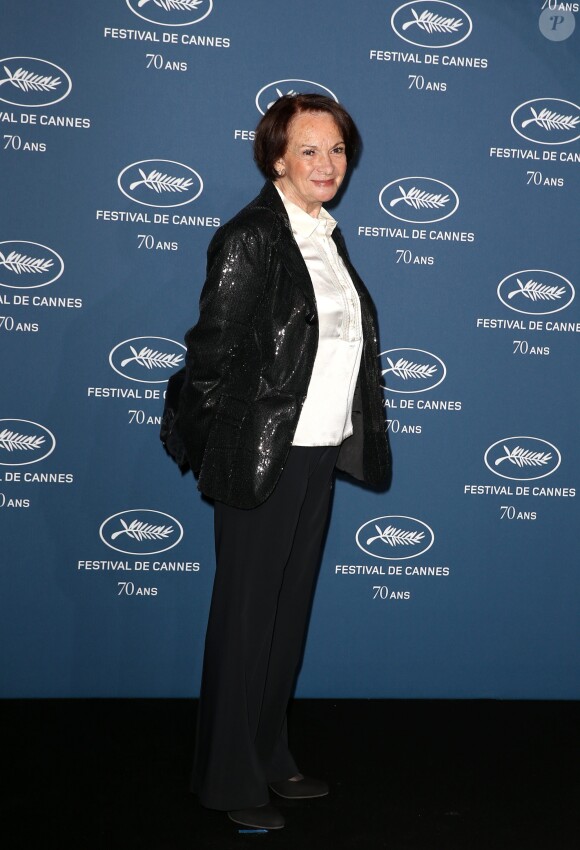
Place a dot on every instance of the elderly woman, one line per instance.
(281, 387)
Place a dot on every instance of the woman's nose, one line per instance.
(324, 163)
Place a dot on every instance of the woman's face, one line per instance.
(314, 164)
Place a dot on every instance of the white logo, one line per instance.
(147, 359)
(144, 180)
(522, 458)
(547, 121)
(141, 532)
(23, 442)
(416, 199)
(431, 23)
(411, 370)
(560, 26)
(171, 13)
(536, 292)
(28, 265)
(28, 81)
(387, 537)
(269, 94)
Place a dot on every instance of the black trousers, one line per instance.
(267, 564)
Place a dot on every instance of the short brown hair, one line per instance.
(271, 140)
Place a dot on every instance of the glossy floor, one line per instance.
(404, 775)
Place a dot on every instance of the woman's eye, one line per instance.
(308, 153)
(339, 150)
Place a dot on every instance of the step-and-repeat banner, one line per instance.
(125, 135)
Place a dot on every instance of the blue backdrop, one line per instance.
(126, 140)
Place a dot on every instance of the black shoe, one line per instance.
(260, 817)
(305, 788)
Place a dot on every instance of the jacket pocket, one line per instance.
(219, 464)
(231, 410)
(225, 430)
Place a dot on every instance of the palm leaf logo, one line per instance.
(29, 81)
(538, 291)
(172, 5)
(522, 457)
(159, 182)
(393, 536)
(20, 263)
(406, 369)
(143, 531)
(151, 359)
(280, 94)
(549, 120)
(420, 200)
(12, 441)
(430, 22)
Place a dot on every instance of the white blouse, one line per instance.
(326, 417)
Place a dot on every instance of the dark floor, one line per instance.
(404, 775)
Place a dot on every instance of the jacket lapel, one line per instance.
(356, 279)
(293, 260)
(286, 246)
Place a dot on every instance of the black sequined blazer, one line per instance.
(249, 362)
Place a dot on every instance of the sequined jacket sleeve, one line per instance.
(237, 274)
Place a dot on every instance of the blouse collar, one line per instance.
(303, 224)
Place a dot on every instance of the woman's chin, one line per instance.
(325, 191)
